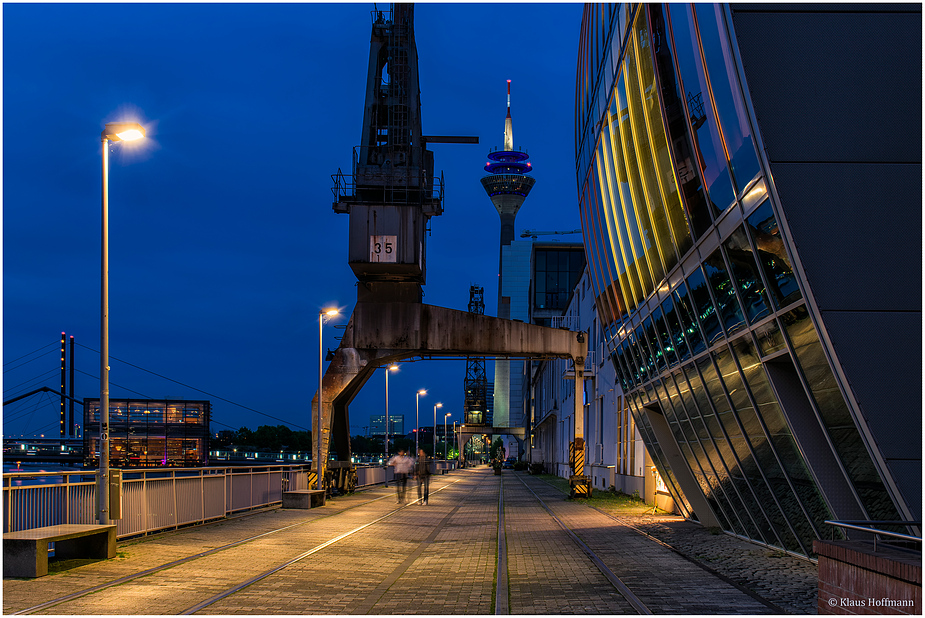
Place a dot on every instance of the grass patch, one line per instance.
(610, 501)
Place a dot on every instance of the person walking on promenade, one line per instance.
(422, 472)
(403, 465)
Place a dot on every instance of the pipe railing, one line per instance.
(866, 526)
(160, 498)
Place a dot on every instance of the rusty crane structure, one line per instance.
(390, 194)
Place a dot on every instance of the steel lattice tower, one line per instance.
(475, 384)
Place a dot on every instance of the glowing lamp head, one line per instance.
(439, 405)
(123, 131)
(131, 134)
(422, 392)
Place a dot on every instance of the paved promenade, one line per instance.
(485, 544)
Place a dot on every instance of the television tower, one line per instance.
(507, 184)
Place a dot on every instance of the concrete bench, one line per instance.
(25, 553)
(303, 498)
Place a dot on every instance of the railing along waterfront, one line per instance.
(152, 500)
(160, 498)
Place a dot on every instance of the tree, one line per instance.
(497, 449)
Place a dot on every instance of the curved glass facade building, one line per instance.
(750, 195)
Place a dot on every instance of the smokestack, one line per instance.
(63, 427)
(70, 383)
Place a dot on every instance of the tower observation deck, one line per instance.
(508, 184)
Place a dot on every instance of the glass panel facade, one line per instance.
(700, 311)
(836, 416)
(723, 292)
(149, 433)
(556, 272)
(748, 279)
(709, 146)
(772, 255)
(688, 171)
(730, 109)
(703, 306)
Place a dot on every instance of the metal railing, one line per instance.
(867, 526)
(160, 498)
(152, 500)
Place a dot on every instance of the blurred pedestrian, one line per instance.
(422, 472)
(402, 466)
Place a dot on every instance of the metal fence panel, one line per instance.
(241, 492)
(189, 497)
(152, 500)
(160, 505)
(213, 496)
(134, 508)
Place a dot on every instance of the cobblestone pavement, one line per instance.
(363, 554)
(788, 581)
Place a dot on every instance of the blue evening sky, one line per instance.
(223, 242)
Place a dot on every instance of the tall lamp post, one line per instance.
(112, 132)
(319, 467)
(392, 367)
(445, 416)
(417, 417)
(434, 451)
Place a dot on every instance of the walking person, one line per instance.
(403, 465)
(422, 472)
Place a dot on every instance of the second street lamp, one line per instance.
(445, 416)
(113, 132)
(392, 367)
(434, 451)
(319, 466)
(417, 418)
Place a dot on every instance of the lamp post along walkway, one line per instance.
(113, 132)
(317, 422)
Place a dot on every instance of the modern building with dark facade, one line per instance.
(149, 432)
(750, 188)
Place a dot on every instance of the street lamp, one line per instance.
(434, 451)
(392, 367)
(445, 416)
(417, 418)
(319, 467)
(112, 132)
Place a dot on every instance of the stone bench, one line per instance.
(25, 553)
(303, 498)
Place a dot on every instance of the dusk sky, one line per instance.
(223, 241)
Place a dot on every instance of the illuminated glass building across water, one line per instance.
(149, 432)
(750, 191)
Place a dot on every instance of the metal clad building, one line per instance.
(750, 193)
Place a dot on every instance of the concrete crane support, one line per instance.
(379, 333)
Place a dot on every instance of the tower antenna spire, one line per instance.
(508, 122)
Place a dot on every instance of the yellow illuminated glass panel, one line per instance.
(650, 211)
(608, 201)
(661, 155)
(623, 151)
(610, 137)
(599, 260)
